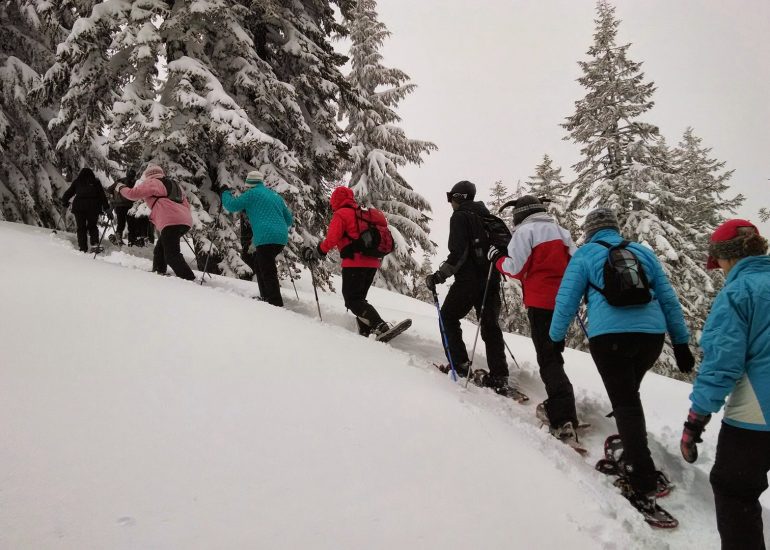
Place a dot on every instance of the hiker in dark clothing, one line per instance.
(90, 201)
(469, 266)
(121, 206)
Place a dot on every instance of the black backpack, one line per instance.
(625, 283)
(490, 230)
(173, 190)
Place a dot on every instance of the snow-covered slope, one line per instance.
(140, 411)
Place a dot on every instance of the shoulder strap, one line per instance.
(604, 244)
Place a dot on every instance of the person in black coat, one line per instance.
(90, 201)
(121, 206)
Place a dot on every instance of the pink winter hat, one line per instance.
(153, 171)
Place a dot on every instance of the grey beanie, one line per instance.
(600, 218)
(525, 206)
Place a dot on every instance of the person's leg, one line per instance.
(133, 232)
(355, 286)
(92, 222)
(159, 258)
(121, 214)
(457, 304)
(491, 332)
(170, 236)
(270, 288)
(82, 233)
(738, 477)
(560, 405)
(619, 357)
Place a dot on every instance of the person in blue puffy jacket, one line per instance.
(270, 220)
(624, 341)
(736, 362)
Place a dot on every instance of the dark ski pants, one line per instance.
(738, 477)
(356, 282)
(267, 273)
(87, 226)
(560, 405)
(167, 253)
(467, 294)
(622, 360)
(121, 216)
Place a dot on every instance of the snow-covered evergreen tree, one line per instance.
(379, 148)
(418, 289)
(30, 170)
(626, 166)
(499, 196)
(764, 214)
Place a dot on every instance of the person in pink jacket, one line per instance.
(169, 213)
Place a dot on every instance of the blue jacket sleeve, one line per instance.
(571, 291)
(724, 354)
(669, 303)
(233, 204)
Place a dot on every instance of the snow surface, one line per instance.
(141, 411)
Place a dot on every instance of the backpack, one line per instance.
(375, 241)
(625, 283)
(173, 190)
(490, 230)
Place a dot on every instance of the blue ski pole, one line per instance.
(444, 340)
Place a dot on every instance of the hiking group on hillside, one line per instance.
(630, 307)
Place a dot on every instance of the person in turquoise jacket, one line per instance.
(624, 341)
(270, 220)
(736, 363)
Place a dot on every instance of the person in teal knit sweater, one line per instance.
(270, 221)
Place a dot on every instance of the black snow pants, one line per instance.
(87, 226)
(167, 253)
(267, 273)
(738, 477)
(622, 360)
(356, 282)
(466, 294)
(121, 216)
(560, 405)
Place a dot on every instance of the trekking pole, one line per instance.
(481, 318)
(192, 249)
(582, 325)
(505, 300)
(99, 246)
(315, 290)
(211, 245)
(444, 339)
(515, 362)
(288, 268)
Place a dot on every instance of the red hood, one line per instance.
(341, 197)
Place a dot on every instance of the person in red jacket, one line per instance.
(537, 256)
(358, 270)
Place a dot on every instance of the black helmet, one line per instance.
(461, 191)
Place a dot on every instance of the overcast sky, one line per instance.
(495, 78)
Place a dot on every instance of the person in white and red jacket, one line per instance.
(170, 215)
(537, 255)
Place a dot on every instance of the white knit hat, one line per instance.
(254, 177)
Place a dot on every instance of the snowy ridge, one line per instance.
(148, 412)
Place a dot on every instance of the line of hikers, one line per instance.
(630, 302)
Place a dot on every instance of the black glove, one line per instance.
(684, 358)
(495, 254)
(558, 346)
(435, 279)
(109, 215)
(693, 428)
(312, 254)
(111, 188)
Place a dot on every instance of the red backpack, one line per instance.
(375, 241)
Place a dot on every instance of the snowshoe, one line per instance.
(567, 433)
(446, 368)
(651, 510)
(499, 385)
(96, 250)
(612, 465)
(386, 332)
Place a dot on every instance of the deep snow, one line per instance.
(140, 411)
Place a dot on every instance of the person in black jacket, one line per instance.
(90, 201)
(121, 206)
(469, 266)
